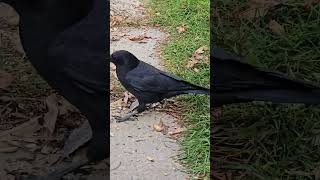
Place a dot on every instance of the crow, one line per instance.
(147, 83)
(235, 81)
(66, 42)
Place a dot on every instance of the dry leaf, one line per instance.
(275, 27)
(206, 60)
(25, 129)
(181, 29)
(192, 62)
(150, 158)
(7, 148)
(136, 38)
(257, 8)
(177, 131)
(159, 126)
(51, 116)
(201, 50)
(5, 79)
(115, 20)
(309, 4)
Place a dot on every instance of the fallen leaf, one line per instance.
(201, 50)
(32, 147)
(46, 149)
(207, 60)
(191, 63)
(159, 126)
(275, 27)
(5, 79)
(25, 129)
(177, 131)
(181, 29)
(309, 4)
(115, 20)
(150, 158)
(257, 8)
(51, 116)
(138, 37)
(7, 148)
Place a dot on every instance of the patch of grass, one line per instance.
(264, 140)
(194, 15)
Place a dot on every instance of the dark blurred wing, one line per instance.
(81, 51)
(146, 78)
(233, 75)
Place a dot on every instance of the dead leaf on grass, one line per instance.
(5, 79)
(275, 27)
(51, 116)
(257, 8)
(309, 4)
(191, 63)
(196, 56)
(181, 29)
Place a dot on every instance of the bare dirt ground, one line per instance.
(35, 122)
(147, 147)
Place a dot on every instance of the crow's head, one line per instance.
(124, 58)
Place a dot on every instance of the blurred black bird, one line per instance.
(235, 81)
(66, 41)
(147, 83)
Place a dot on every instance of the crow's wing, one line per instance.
(146, 78)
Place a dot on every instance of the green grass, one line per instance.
(264, 140)
(194, 14)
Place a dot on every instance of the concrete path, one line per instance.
(138, 151)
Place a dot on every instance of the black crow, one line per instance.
(147, 83)
(235, 81)
(66, 41)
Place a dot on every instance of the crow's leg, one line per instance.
(134, 105)
(140, 108)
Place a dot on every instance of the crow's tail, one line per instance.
(199, 91)
(195, 89)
